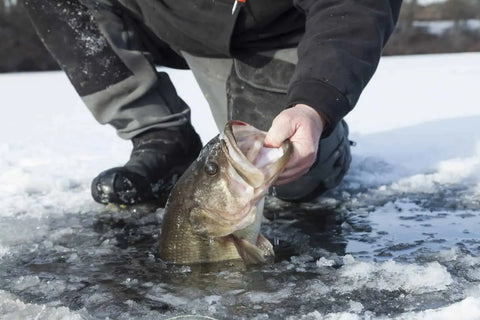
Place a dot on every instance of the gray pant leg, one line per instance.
(253, 89)
(145, 100)
(98, 46)
(222, 83)
(212, 75)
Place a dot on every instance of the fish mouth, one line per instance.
(256, 164)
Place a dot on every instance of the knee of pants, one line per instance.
(251, 88)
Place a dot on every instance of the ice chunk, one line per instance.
(322, 262)
(13, 308)
(3, 251)
(391, 275)
(316, 315)
(269, 297)
(355, 306)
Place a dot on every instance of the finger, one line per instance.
(281, 130)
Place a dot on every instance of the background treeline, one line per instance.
(440, 27)
(443, 26)
(20, 48)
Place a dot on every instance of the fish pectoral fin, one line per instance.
(208, 224)
(250, 253)
(265, 245)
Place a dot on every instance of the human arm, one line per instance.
(337, 56)
(339, 53)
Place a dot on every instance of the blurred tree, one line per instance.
(407, 15)
(460, 10)
(7, 4)
(414, 32)
(21, 50)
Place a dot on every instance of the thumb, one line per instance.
(281, 130)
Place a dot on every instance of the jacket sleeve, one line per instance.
(339, 52)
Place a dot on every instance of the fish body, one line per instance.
(215, 210)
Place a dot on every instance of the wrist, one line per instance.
(311, 112)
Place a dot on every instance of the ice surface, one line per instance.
(469, 308)
(392, 276)
(12, 308)
(398, 239)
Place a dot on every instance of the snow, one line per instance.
(428, 2)
(414, 181)
(391, 276)
(13, 308)
(419, 115)
(467, 309)
(411, 90)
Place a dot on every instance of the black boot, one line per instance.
(158, 159)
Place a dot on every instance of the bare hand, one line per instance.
(303, 125)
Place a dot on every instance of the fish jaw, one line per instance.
(250, 169)
(244, 147)
(257, 166)
(217, 217)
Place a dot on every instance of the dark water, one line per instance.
(358, 252)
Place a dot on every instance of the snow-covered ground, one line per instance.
(428, 2)
(398, 239)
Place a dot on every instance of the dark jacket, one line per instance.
(339, 41)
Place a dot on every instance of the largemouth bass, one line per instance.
(215, 210)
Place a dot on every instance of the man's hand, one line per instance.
(303, 125)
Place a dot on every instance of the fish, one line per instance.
(214, 211)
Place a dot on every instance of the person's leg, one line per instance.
(212, 75)
(103, 54)
(253, 89)
(103, 51)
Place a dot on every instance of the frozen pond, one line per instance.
(399, 239)
(358, 256)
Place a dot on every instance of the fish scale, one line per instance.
(214, 212)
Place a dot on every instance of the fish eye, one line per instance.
(211, 168)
